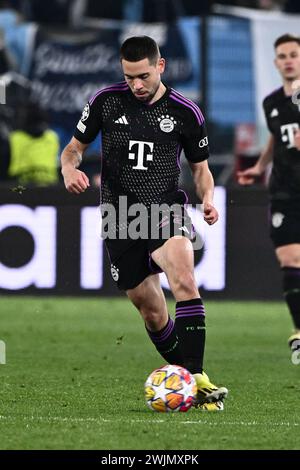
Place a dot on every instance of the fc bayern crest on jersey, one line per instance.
(166, 123)
(114, 272)
(85, 113)
(277, 219)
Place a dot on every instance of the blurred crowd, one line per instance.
(28, 146)
(70, 11)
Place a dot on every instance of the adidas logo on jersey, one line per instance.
(121, 120)
(274, 112)
(184, 229)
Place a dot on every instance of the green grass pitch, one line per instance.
(75, 370)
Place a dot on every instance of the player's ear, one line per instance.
(161, 65)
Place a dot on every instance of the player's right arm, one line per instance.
(76, 181)
(86, 131)
(248, 176)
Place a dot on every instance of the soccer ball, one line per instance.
(170, 388)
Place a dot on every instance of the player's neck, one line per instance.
(160, 92)
(288, 86)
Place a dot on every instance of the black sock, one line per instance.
(190, 328)
(291, 289)
(166, 343)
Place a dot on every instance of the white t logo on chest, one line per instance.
(141, 154)
(287, 133)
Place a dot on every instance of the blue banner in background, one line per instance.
(67, 69)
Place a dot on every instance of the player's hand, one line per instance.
(297, 139)
(76, 181)
(210, 214)
(248, 176)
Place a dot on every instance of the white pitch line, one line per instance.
(145, 421)
(224, 423)
(241, 423)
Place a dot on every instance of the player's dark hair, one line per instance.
(138, 48)
(286, 38)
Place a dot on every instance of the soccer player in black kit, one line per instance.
(144, 126)
(283, 149)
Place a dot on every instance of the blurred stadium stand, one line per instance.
(217, 49)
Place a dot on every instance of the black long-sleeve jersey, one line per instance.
(142, 143)
(283, 119)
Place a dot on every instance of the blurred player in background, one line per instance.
(145, 125)
(283, 150)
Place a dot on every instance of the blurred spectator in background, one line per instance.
(163, 10)
(9, 19)
(109, 10)
(6, 60)
(9, 15)
(4, 113)
(31, 150)
(17, 89)
(14, 31)
(55, 12)
(146, 10)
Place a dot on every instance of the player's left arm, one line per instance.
(196, 149)
(204, 184)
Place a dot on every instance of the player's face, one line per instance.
(143, 78)
(288, 60)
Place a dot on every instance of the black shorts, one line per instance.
(131, 260)
(285, 222)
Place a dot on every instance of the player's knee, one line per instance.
(185, 286)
